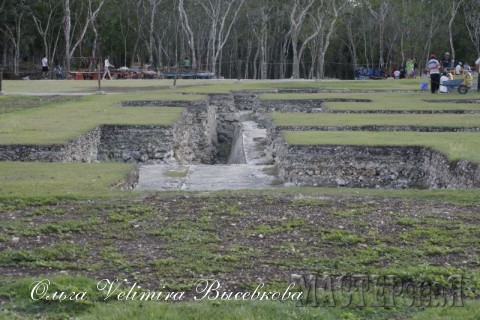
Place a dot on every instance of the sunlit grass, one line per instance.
(456, 145)
(377, 100)
(202, 86)
(62, 122)
(402, 104)
(335, 119)
(79, 180)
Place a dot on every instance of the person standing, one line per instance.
(447, 62)
(45, 67)
(410, 68)
(434, 70)
(187, 64)
(478, 70)
(107, 65)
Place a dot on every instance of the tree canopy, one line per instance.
(269, 39)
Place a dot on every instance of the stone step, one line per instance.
(205, 177)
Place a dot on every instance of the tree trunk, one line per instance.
(453, 13)
(296, 22)
(188, 32)
(70, 47)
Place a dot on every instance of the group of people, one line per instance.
(408, 71)
(59, 73)
(435, 68)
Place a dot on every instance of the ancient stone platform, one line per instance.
(205, 177)
(246, 169)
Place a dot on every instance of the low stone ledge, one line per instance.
(374, 167)
(22, 152)
(163, 103)
(80, 149)
(307, 105)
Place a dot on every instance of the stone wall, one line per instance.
(246, 101)
(195, 135)
(309, 105)
(373, 167)
(162, 103)
(80, 149)
(136, 144)
(191, 139)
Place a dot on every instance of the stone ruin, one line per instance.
(235, 130)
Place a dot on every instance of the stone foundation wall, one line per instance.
(191, 139)
(195, 135)
(161, 103)
(246, 101)
(136, 144)
(291, 106)
(373, 167)
(81, 149)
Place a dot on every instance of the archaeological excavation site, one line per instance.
(239, 141)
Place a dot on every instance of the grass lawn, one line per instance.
(15, 103)
(335, 119)
(402, 104)
(77, 180)
(95, 309)
(456, 145)
(59, 123)
(202, 86)
(384, 101)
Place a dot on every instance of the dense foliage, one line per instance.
(238, 38)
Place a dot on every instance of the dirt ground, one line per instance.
(239, 238)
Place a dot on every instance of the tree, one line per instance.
(380, 14)
(188, 32)
(12, 28)
(151, 9)
(71, 44)
(218, 12)
(43, 14)
(472, 22)
(326, 19)
(297, 19)
(453, 12)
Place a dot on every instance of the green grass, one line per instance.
(13, 103)
(456, 145)
(176, 173)
(333, 119)
(62, 122)
(203, 86)
(384, 101)
(79, 180)
(395, 98)
(401, 106)
(95, 307)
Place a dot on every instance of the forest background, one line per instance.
(268, 39)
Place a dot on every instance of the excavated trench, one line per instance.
(229, 142)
